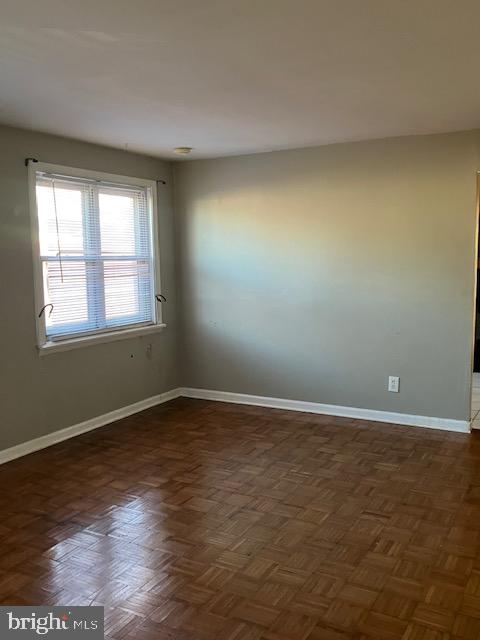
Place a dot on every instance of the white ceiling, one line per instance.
(238, 76)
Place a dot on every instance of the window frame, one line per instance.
(72, 341)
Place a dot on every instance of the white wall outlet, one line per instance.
(394, 384)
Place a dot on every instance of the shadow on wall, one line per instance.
(274, 291)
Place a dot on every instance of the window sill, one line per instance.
(87, 341)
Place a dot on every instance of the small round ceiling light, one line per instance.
(182, 151)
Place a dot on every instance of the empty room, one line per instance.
(240, 372)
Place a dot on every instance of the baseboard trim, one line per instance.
(23, 449)
(82, 427)
(446, 424)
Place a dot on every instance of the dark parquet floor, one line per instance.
(197, 520)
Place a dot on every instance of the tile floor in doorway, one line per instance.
(476, 401)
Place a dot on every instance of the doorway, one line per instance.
(475, 405)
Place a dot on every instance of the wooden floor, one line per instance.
(199, 520)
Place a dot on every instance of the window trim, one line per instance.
(51, 346)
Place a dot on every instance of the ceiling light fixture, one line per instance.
(182, 151)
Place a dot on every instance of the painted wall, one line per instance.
(310, 274)
(314, 274)
(40, 395)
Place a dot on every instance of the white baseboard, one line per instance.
(82, 427)
(447, 424)
(462, 426)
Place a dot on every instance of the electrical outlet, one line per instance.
(394, 384)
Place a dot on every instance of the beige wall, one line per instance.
(314, 274)
(40, 395)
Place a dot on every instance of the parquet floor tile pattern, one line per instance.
(197, 520)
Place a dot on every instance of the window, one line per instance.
(96, 268)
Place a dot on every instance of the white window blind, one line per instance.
(96, 255)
